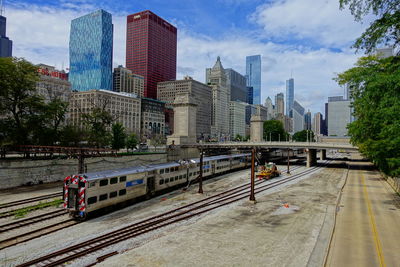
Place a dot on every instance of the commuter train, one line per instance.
(85, 193)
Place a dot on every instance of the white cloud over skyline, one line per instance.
(41, 34)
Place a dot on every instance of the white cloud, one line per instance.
(41, 36)
(320, 21)
(313, 70)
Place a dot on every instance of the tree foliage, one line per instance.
(384, 30)
(304, 136)
(132, 141)
(157, 140)
(98, 122)
(274, 131)
(118, 136)
(375, 85)
(19, 104)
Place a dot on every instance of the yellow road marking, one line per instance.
(378, 245)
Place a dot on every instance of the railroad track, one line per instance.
(29, 200)
(15, 240)
(28, 221)
(173, 216)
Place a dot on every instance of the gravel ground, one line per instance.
(23, 192)
(239, 234)
(264, 234)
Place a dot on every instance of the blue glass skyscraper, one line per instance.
(253, 74)
(90, 51)
(289, 96)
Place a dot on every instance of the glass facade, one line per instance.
(237, 85)
(250, 95)
(5, 43)
(289, 96)
(253, 74)
(151, 49)
(90, 51)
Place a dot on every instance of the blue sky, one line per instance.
(308, 38)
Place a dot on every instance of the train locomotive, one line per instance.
(85, 193)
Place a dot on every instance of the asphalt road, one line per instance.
(367, 230)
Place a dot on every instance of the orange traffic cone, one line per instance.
(286, 205)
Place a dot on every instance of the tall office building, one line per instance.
(307, 120)
(91, 51)
(151, 44)
(270, 107)
(237, 118)
(280, 103)
(250, 99)
(339, 113)
(236, 84)
(289, 96)
(317, 126)
(5, 43)
(298, 117)
(125, 81)
(253, 75)
(216, 78)
(201, 95)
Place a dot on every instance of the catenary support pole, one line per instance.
(81, 162)
(253, 154)
(288, 161)
(201, 172)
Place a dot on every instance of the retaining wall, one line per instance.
(394, 182)
(23, 172)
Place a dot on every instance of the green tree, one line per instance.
(274, 131)
(384, 30)
(304, 136)
(132, 141)
(118, 136)
(375, 85)
(98, 123)
(19, 104)
(46, 130)
(71, 135)
(157, 140)
(238, 137)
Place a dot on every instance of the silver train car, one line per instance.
(85, 193)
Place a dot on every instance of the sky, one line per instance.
(308, 40)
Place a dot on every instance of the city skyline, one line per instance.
(313, 59)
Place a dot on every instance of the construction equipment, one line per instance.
(267, 171)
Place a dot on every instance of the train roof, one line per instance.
(143, 168)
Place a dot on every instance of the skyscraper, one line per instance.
(339, 114)
(253, 74)
(151, 44)
(289, 96)
(298, 117)
(307, 120)
(90, 51)
(216, 78)
(280, 103)
(5, 43)
(236, 84)
(250, 99)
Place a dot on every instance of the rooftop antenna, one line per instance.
(291, 73)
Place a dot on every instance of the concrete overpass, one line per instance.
(311, 147)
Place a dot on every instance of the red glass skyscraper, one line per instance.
(151, 49)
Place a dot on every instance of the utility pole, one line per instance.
(253, 154)
(81, 161)
(288, 161)
(201, 172)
